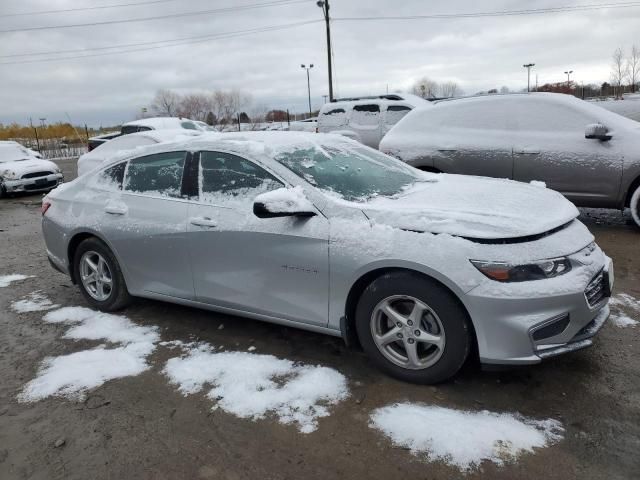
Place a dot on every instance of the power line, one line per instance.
(499, 13)
(159, 17)
(82, 9)
(171, 43)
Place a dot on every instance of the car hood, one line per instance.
(474, 207)
(20, 167)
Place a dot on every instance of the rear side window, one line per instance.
(334, 111)
(333, 119)
(158, 174)
(233, 181)
(374, 108)
(112, 177)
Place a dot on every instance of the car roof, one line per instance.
(158, 122)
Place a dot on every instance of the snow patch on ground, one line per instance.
(253, 386)
(624, 306)
(6, 280)
(462, 438)
(74, 374)
(34, 302)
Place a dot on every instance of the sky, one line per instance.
(370, 56)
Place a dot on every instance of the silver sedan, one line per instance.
(322, 233)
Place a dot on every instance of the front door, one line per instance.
(276, 267)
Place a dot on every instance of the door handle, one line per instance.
(116, 209)
(203, 222)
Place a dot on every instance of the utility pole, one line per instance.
(528, 67)
(568, 74)
(308, 84)
(324, 5)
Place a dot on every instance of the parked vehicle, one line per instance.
(106, 151)
(22, 171)
(590, 155)
(320, 232)
(306, 125)
(146, 124)
(366, 119)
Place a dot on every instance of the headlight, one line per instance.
(8, 174)
(509, 272)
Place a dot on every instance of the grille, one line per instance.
(36, 174)
(555, 327)
(596, 290)
(41, 186)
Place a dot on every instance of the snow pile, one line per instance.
(538, 183)
(285, 200)
(621, 303)
(252, 385)
(462, 438)
(6, 280)
(74, 374)
(34, 302)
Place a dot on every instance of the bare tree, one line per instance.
(618, 71)
(425, 88)
(633, 67)
(450, 89)
(195, 106)
(504, 89)
(165, 103)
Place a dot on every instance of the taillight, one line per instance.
(45, 207)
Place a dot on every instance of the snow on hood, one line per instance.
(473, 207)
(20, 167)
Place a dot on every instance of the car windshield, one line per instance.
(13, 153)
(353, 173)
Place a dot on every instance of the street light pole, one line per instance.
(528, 67)
(568, 74)
(308, 84)
(324, 5)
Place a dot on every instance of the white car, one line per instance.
(102, 153)
(366, 119)
(22, 171)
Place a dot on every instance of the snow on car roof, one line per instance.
(11, 151)
(408, 99)
(159, 122)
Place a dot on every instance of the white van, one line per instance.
(366, 119)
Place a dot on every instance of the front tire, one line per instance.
(99, 276)
(413, 328)
(634, 205)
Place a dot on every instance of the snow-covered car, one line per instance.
(366, 119)
(320, 232)
(306, 125)
(205, 127)
(146, 124)
(590, 155)
(22, 171)
(107, 150)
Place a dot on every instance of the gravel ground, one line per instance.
(141, 427)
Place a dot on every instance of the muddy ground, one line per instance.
(142, 428)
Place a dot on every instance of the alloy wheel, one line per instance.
(96, 276)
(407, 332)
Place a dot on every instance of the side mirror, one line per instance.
(283, 202)
(597, 131)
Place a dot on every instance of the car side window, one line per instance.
(112, 178)
(395, 113)
(158, 174)
(229, 180)
(541, 116)
(189, 125)
(366, 115)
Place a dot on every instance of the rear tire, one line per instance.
(413, 328)
(634, 205)
(99, 276)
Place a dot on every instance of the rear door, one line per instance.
(276, 267)
(146, 221)
(550, 146)
(472, 137)
(392, 115)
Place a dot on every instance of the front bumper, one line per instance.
(519, 324)
(37, 184)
